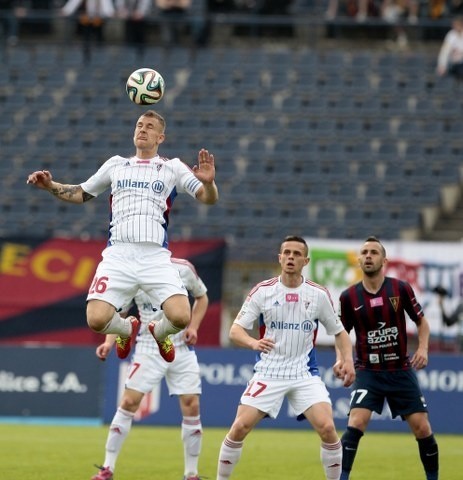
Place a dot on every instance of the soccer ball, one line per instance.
(145, 86)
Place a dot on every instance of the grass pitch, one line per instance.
(34, 452)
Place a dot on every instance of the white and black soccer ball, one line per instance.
(145, 86)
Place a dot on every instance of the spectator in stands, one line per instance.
(389, 10)
(395, 11)
(266, 7)
(91, 17)
(275, 7)
(134, 13)
(173, 19)
(10, 11)
(359, 9)
(453, 318)
(450, 58)
(455, 7)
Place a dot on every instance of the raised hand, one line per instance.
(205, 170)
(41, 179)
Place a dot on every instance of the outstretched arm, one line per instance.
(68, 193)
(205, 173)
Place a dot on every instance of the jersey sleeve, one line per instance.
(328, 317)
(411, 304)
(343, 311)
(101, 180)
(187, 182)
(250, 311)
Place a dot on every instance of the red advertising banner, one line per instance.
(44, 283)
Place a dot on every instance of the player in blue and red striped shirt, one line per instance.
(375, 308)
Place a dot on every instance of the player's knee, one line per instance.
(327, 432)
(190, 405)
(239, 430)
(422, 430)
(130, 404)
(99, 314)
(181, 321)
(178, 311)
(96, 323)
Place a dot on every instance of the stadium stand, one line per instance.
(329, 142)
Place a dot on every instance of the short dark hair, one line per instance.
(296, 238)
(372, 238)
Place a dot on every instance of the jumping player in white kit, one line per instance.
(143, 188)
(148, 369)
(288, 310)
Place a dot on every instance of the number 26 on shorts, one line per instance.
(99, 285)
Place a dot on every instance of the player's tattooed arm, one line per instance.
(70, 193)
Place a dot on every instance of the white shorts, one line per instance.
(267, 395)
(126, 268)
(182, 375)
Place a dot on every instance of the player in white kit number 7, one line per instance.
(143, 188)
(147, 370)
(288, 309)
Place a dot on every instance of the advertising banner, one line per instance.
(44, 284)
(425, 265)
(225, 373)
(50, 382)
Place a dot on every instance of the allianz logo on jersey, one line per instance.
(307, 326)
(157, 186)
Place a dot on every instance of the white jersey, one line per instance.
(451, 50)
(142, 194)
(196, 288)
(291, 317)
(93, 8)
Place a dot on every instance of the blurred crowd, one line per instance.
(190, 17)
(394, 10)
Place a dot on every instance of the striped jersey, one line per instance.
(142, 194)
(196, 288)
(291, 317)
(379, 323)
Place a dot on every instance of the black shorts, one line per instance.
(400, 388)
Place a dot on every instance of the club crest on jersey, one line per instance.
(376, 302)
(157, 186)
(292, 297)
(395, 302)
